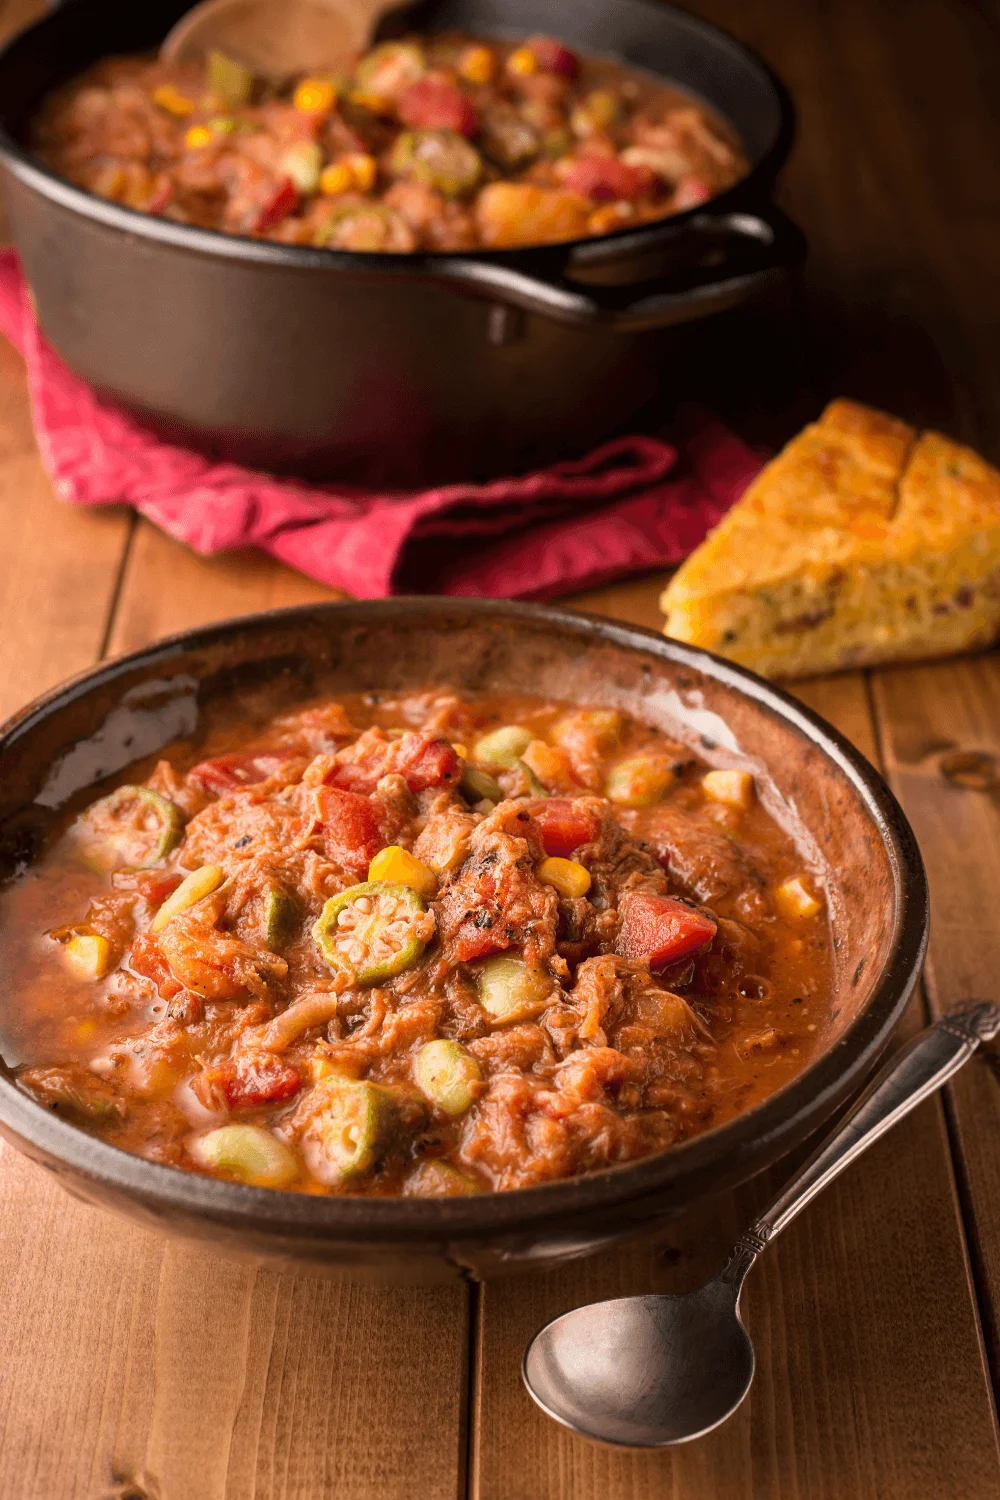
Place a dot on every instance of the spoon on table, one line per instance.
(278, 37)
(645, 1372)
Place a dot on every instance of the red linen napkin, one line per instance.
(569, 527)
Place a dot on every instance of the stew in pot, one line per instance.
(443, 143)
(418, 944)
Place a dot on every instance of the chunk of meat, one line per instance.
(443, 843)
(496, 902)
(423, 760)
(701, 858)
(75, 1091)
(661, 929)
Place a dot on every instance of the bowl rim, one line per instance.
(216, 243)
(810, 1095)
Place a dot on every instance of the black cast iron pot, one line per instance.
(59, 750)
(387, 368)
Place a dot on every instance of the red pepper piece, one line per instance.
(155, 886)
(147, 960)
(279, 203)
(605, 179)
(661, 929)
(553, 57)
(227, 773)
(256, 1078)
(351, 833)
(565, 826)
(436, 104)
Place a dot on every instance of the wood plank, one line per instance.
(941, 728)
(845, 1402)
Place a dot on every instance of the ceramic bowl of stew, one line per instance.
(346, 359)
(840, 838)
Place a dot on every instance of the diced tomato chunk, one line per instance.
(147, 960)
(436, 104)
(605, 179)
(565, 825)
(661, 929)
(474, 940)
(351, 833)
(278, 204)
(424, 763)
(227, 773)
(256, 1078)
(553, 57)
(155, 886)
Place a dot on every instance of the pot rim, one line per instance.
(775, 1122)
(218, 243)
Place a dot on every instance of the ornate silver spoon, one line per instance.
(645, 1372)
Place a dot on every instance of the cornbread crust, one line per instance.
(861, 542)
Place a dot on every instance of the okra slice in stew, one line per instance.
(448, 1075)
(511, 991)
(249, 1153)
(500, 749)
(439, 1179)
(132, 827)
(280, 913)
(374, 929)
(350, 1122)
(477, 786)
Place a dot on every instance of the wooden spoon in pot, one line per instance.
(278, 37)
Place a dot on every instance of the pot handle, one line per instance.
(758, 249)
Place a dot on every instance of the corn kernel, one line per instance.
(523, 62)
(363, 169)
(315, 96)
(85, 1031)
(335, 180)
(609, 218)
(173, 101)
(198, 136)
(375, 104)
(398, 866)
(567, 876)
(795, 902)
(734, 788)
(477, 65)
(89, 955)
(460, 749)
(194, 887)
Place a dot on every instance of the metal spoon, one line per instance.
(645, 1372)
(278, 38)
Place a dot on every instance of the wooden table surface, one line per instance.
(131, 1366)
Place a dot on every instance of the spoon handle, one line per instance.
(917, 1070)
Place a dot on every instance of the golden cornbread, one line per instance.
(862, 542)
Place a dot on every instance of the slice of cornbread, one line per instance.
(863, 541)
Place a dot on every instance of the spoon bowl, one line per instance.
(644, 1372)
(277, 37)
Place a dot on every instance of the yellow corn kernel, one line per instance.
(335, 180)
(552, 766)
(315, 96)
(567, 876)
(363, 169)
(398, 866)
(477, 65)
(194, 887)
(375, 104)
(460, 749)
(795, 902)
(523, 62)
(89, 955)
(173, 101)
(198, 136)
(734, 788)
(85, 1031)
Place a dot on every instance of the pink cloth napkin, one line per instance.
(569, 527)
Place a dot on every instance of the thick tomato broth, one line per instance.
(436, 143)
(418, 944)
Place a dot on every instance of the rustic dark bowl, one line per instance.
(58, 749)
